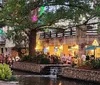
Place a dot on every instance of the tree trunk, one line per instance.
(32, 42)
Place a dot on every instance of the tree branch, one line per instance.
(42, 26)
(88, 19)
(26, 32)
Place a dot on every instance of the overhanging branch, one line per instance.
(91, 17)
(66, 27)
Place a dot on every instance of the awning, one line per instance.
(92, 47)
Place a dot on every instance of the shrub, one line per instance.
(56, 59)
(26, 58)
(44, 61)
(13, 78)
(5, 71)
(41, 59)
(87, 62)
(95, 64)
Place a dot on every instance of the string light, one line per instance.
(34, 18)
(41, 10)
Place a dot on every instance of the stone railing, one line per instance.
(81, 74)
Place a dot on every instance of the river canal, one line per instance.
(30, 79)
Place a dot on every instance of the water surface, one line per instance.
(31, 79)
(50, 80)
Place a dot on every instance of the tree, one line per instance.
(25, 16)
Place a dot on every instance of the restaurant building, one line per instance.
(67, 42)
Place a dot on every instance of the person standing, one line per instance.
(87, 58)
(69, 59)
(63, 59)
(9, 60)
(83, 59)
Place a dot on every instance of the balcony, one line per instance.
(48, 35)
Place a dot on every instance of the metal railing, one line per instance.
(45, 35)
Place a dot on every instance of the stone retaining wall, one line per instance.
(67, 72)
(27, 67)
(31, 67)
(81, 74)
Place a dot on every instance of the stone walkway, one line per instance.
(8, 83)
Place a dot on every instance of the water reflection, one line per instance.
(38, 80)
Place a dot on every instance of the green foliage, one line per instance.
(56, 59)
(16, 34)
(13, 78)
(87, 63)
(95, 64)
(41, 59)
(26, 58)
(45, 61)
(18, 15)
(5, 71)
(73, 64)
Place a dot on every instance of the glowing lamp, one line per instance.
(56, 47)
(47, 48)
(34, 18)
(61, 47)
(36, 48)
